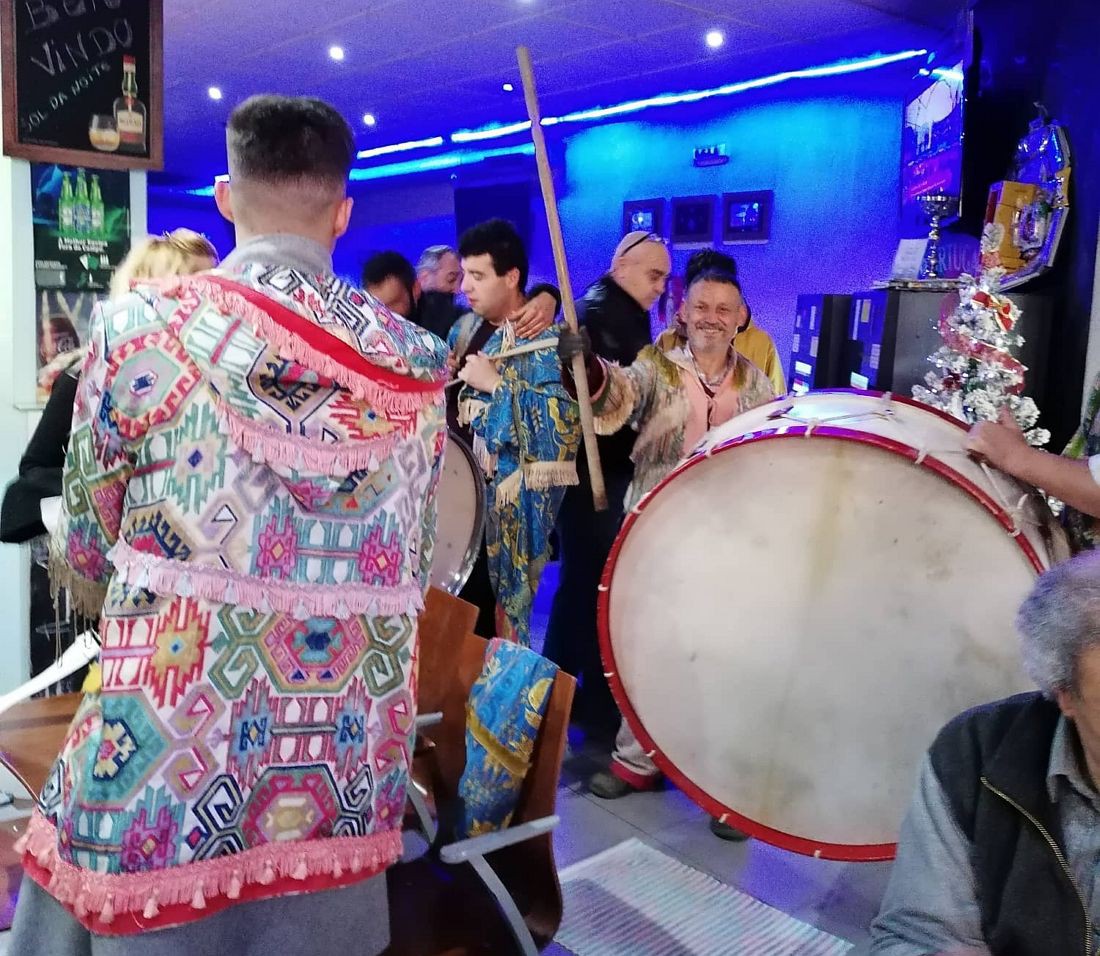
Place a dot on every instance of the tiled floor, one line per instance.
(839, 898)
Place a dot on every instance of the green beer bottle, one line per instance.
(65, 207)
(98, 212)
(82, 208)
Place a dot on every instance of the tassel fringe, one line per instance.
(270, 444)
(390, 401)
(107, 896)
(340, 601)
(85, 597)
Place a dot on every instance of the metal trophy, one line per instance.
(937, 207)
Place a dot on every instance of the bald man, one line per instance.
(615, 311)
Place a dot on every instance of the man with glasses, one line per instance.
(615, 311)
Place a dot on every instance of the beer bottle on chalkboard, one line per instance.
(130, 114)
(82, 207)
(65, 207)
(98, 213)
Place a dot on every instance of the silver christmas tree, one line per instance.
(975, 374)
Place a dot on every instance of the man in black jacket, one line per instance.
(1000, 850)
(615, 311)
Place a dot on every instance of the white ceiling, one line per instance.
(431, 66)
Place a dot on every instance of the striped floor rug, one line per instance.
(633, 900)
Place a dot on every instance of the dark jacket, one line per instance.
(992, 763)
(619, 330)
(41, 466)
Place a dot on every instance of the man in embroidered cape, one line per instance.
(671, 399)
(249, 500)
(525, 428)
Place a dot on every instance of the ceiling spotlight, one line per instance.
(715, 39)
(508, 88)
(369, 119)
(215, 92)
(336, 53)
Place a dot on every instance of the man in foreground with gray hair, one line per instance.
(1000, 851)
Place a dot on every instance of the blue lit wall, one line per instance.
(834, 166)
(830, 155)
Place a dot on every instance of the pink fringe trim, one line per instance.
(286, 343)
(166, 577)
(272, 445)
(111, 894)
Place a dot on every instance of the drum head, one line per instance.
(461, 517)
(791, 620)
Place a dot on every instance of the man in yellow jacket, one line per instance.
(752, 342)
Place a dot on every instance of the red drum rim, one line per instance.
(846, 852)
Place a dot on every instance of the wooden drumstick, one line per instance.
(569, 311)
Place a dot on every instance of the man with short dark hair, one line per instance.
(439, 278)
(522, 424)
(1000, 850)
(249, 506)
(391, 279)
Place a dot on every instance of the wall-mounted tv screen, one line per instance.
(932, 139)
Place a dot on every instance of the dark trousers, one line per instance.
(572, 641)
(478, 590)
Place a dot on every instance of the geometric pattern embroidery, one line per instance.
(267, 730)
(318, 654)
(220, 728)
(130, 749)
(388, 653)
(150, 842)
(163, 653)
(294, 804)
(180, 653)
(199, 458)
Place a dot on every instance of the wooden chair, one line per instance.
(497, 893)
(31, 734)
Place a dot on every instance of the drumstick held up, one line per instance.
(546, 180)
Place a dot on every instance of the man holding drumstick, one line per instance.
(672, 400)
(523, 426)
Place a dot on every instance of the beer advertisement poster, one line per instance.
(81, 226)
(83, 82)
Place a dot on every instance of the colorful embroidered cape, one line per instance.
(526, 436)
(503, 716)
(250, 483)
(654, 396)
(1083, 529)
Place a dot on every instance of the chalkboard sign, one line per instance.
(83, 82)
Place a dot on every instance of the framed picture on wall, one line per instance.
(747, 217)
(693, 221)
(83, 83)
(644, 215)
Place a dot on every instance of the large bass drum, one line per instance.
(793, 613)
(461, 516)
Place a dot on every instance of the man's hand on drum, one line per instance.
(535, 316)
(480, 372)
(999, 443)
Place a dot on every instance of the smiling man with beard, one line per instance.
(672, 400)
